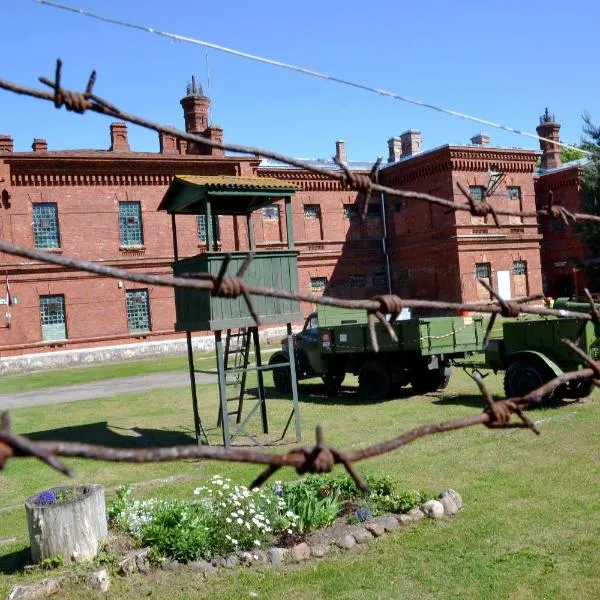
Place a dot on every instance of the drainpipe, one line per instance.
(384, 239)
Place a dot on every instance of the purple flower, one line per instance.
(278, 489)
(363, 514)
(46, 498)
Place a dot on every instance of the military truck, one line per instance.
(531, 352)
(336, 341)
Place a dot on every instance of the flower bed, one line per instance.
(222, 518)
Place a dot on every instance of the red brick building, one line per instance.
(101, 205)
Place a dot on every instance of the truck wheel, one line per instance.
(374, 381)
(525, 375)
(333, 381)
(578, 390)
(281, 376)
(424, 380)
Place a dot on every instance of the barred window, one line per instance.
(483, 270)
(520, 267)
(201, 223)
(318, 284)
(374, 210)
(53, 317)
(45, 225)
(130, 224)
(350, 211)
(270, 212)
(379, 279)
(138, 311)
(477, 192)
(513, 192)
(312, 211)
(357, 281)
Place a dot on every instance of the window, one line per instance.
(350, 211)
(483, 270)
(513, 192)
(398, 205)
(52, 317)
(138, 311)
(357, 281)
(477, 192)
(270, 212)
(403, 275)
(318, 284)
(45, 225)
(520, 267)
(312, 211)
(374, 210)
(379, 279)
(130, 224)
(201, 223)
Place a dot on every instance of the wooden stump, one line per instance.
(72, 528)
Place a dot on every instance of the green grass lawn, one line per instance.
(530, 527)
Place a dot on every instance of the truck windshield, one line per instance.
(311, 323)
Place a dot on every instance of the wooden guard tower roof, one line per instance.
(228, 195)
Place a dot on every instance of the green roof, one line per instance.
(228, 195)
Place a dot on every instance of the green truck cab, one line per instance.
(336, 341)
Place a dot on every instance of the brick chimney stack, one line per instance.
(6, 143)
(195, 108)
(481, 139)
(340, 151)
(394, 149)
(411, 142)
(118, 137)
(549, 128)
(39, 145)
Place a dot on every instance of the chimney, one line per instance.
(167, 143)
(214, 132)
(340, 151)
(195, 108)
(39, 145)
(411, 142)
(394, 149)
(549, 128)
(6, 143)
(118, 137)
(481, 139)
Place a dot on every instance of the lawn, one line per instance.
(530, 526)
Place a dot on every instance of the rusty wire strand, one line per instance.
(82, 101)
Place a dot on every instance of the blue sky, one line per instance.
(504, 60)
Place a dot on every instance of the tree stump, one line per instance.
(73, 526)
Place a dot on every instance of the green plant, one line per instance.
(313, 512)
(54, 562)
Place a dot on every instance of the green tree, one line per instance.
(569, 154)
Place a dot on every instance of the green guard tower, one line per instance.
(197, 310)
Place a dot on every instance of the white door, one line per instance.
(504, 285)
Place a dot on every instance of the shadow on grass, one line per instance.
(15, 561)
(102, 433)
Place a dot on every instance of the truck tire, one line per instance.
(333, 381)
(281, 376)
(424, 380)
(526, 374)
(374, 381)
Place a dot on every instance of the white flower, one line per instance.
(196, 491)
(290, 514)
(228, 536)
(240, 521)
(234, 514)
(289, 531)
(241, 512)
(225, 486)
(257, 543)
(234, 541)
(228, 520)
(247, 526)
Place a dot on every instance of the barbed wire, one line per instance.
(80, 102)
(306, 71)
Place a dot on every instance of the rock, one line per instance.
(319, 550)
(202, 567)
(375, 528)
(405, 519)
(300, 552)
(170, 565)
(228, 562)
(415, 514)
(361, 535)
(99, 580)
(346, 542)
(433, 509)
(259, 556)
(31, 591)
(388, 523)
(276, 556)
(451, 501)
(246, 558)
(136, 560)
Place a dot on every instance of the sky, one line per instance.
(503, 60)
